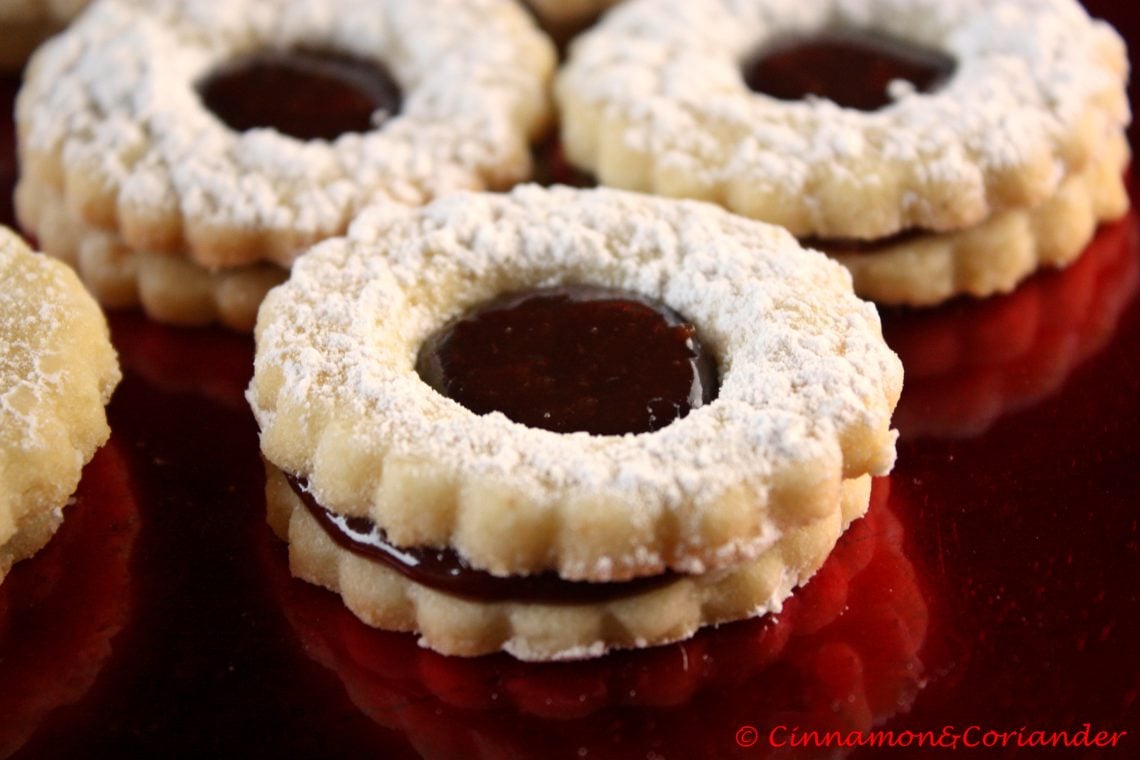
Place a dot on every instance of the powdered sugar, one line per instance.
(32, 309)
(802, 362)
(57, 370)
(1038, 83)
(113, 101)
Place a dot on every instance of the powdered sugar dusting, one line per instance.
(114, 100)
(32, 309)
(666, 74)
(57, 370)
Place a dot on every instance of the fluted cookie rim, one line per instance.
(168, 289)
(653, 99)
(998, 254)
(109, 112)
(536, 631)
(804, 402)
(57, 372)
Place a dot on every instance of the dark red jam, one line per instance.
(568, 359)
(444, 570)
(856, 245)
(849, 67)
(303, 94)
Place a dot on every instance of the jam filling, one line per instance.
(446, 571)
(856, 245)
(851, 68)
(573, 359)
(303, 94)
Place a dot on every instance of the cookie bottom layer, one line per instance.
(168, 288)
(529, 631)
(996, 255)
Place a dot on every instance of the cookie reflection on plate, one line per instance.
(845, 653)
(61, 609)
(971, 362)
(208, 362)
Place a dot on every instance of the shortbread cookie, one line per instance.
(26, 23)
(57, 371)
(669, 96)
(134, 116)
(996, 255)
(969, 364)
(168, 289)
(623, 479)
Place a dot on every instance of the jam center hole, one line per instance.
(855, 69)
(575, 358)
(304, 94)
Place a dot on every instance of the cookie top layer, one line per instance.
(806, 393)
(110, 114)
(654, 99)
(57, 371)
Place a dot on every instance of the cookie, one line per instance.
(57, 372)
(778, 391)
(163, 125)
(877, 123)
(24, 24)
(169, 289)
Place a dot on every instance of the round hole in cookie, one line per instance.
(305, 94)
(856, 69)
(573, 358)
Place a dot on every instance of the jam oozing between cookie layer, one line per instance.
(855, 245)
(444, 570)
(849, 67)
(575, 358)
(303, 94)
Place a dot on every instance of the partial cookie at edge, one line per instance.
(57, 372)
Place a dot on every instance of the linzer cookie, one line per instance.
(558, 422)
(57, 371)
(936, 148)
(235, 137)
(26, 23)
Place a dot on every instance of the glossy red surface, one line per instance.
(993, 583)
